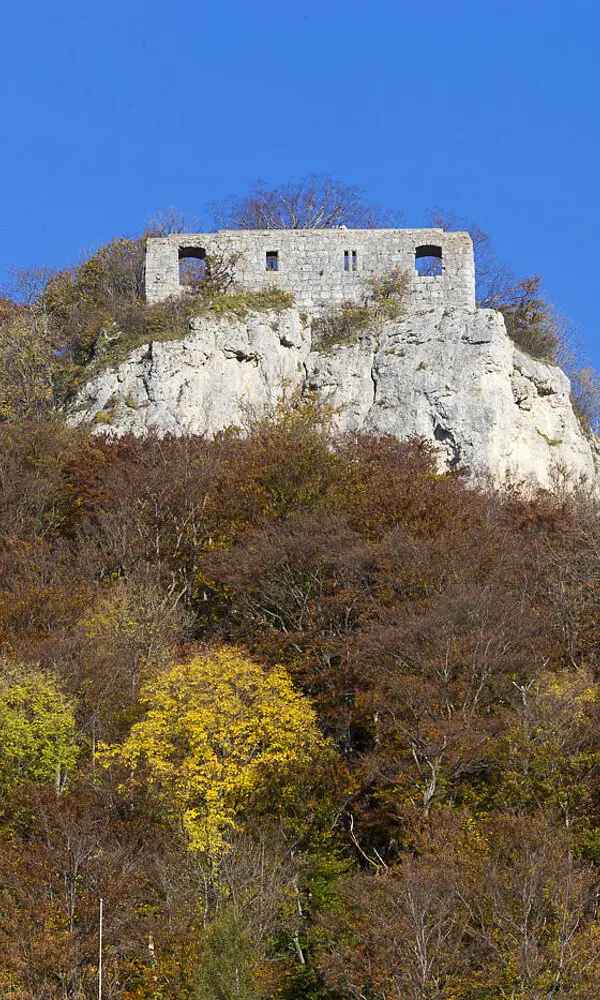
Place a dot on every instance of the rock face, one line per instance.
(451, 377)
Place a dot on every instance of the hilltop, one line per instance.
(353, 317)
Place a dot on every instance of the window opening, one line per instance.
(428, 261)
(272, 260)
(346, 260)
(192, 266)
(354, 261)
(350, 256)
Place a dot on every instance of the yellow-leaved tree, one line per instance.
(37, 728)
(217, 731)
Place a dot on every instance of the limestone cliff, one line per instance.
(449, 376)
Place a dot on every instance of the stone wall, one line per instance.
(322, 267)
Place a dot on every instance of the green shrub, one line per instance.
(343, 326)
(385, 295)
(244, 302)
(103, 417)
(340, 327)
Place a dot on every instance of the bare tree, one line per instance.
(168, 221)
(496, 284)
(314, 202)
(27, 284)
(409, 929)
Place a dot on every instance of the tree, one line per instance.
(496, 284)
(496, 908)
(27, 358)
(37, 728)
(399, 935)
(314, 202)
(169, 221)
(219, 729)
(226, 961)
(533, 908)
(26, 285)
(549, 755)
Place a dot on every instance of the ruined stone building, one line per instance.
(324, 267)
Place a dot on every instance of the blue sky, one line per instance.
(487, 107)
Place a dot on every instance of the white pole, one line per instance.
(100, 955)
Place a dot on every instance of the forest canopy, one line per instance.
(311, 718)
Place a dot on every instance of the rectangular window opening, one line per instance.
(428, 261)
(272, 260)
(346, 260)
(354, 261)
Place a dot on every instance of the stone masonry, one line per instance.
(322, 267)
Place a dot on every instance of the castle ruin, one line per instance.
(323, 268)
(442, 371)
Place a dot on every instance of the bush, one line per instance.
(383, 301)
(539, 330)
(340, 326)
(213, 276)
(244, 302)
(107, 288)
(531, 323)
(386, 294)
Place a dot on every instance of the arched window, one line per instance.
(428, 261)
(192, 266)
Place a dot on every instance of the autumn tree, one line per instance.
(497, 908)
(549, 753)
(217, 730)
(26, 285)
(401, 935)
(37, 728)
(27, 361)
(533, 911)
(107, 287)
(444, 637)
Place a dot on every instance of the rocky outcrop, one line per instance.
(449, 376)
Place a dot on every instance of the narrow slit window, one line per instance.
(272, 260)
(428, 261)
(354, 261)
(346, 260)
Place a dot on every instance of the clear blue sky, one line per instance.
(488, 107)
